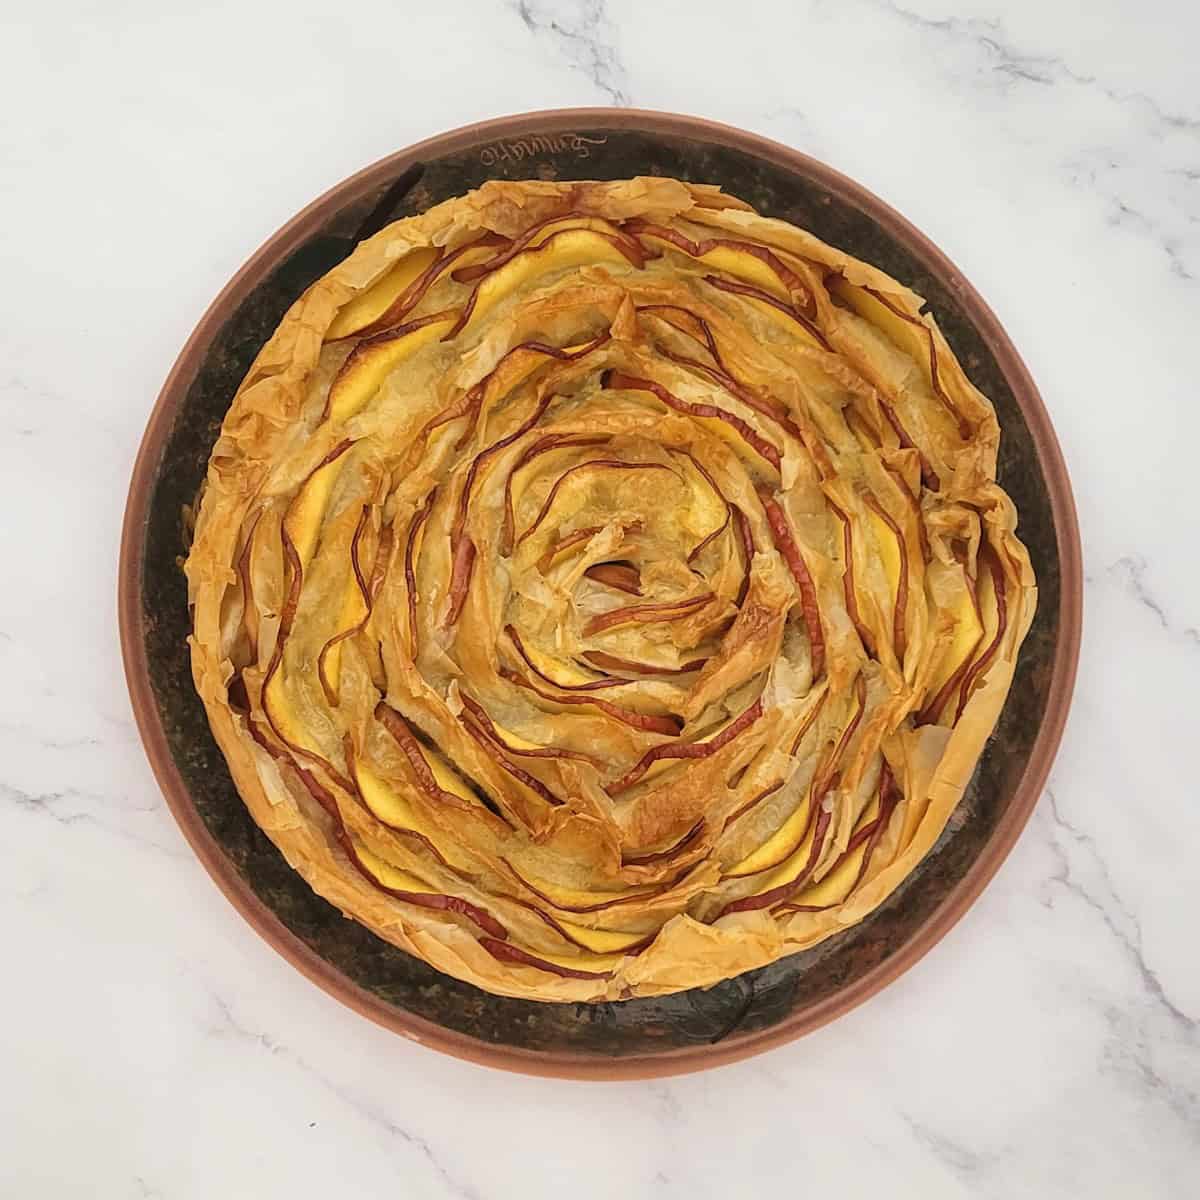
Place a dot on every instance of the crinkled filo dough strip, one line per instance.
(601, 590)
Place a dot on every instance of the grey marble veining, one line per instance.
(1048, 1047)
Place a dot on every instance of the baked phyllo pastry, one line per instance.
(601, 590)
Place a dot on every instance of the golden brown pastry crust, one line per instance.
(602, 590)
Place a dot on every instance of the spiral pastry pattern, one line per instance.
(600, 589)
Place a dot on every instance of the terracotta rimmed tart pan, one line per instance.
(690, 1030)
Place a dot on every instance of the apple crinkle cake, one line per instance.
(600, 590)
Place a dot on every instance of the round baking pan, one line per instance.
(642, 1037)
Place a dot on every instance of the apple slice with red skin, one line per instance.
(641, 860)
(709, 538)
(480, 714)
(824, 814)
(376, 797)
(611, 662)
(914, 507)
(928, 475)
(826, 771)
(433, 900)
(900, 600)
(629, 246)
(374, 358)
(612, 900)
(423, 770)
(272, 680)
(975, 674)
(790, 836)
(470, 403)
(964, 426)
(523, 777)
(784, 844)
(462, 549)
(243, 573)
(869, 440)
(592, 685)
(624, 577)
(746, 539)
(687, 749)
(612, 378)
(737, 288)
(367, 593)
(544, 445)
(754, 801)
(594, 941)
(966, 678)
(440, 901)
(592, 464)
(485, 455)
(648, 723)
(574, 538)
(410, 574)
(460, 580)
(762, 405)
(766, 406)
(424, 842)
(561, 249)
(361, 311)
(958, 649)
(514, 246)
(706, 333)
(807, 723)
(305, 513)
(308, 526)
(507, 952)
(722, 499)
(790, 283)
(415, 292)
(889, 798)
(850, 596)
(785, 543)
(647, 614)
(467, 405)
(869, 835)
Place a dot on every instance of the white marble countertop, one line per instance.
(1049, 1046)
